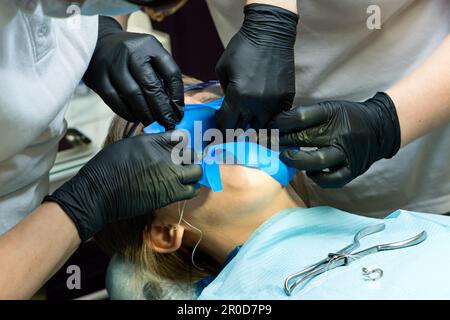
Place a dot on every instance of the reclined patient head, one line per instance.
(162, 245)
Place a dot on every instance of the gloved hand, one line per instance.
(130, 178)
(350, 137)
(257, 70)
(135, 76)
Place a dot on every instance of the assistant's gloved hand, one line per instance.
(130, 178)
(257, 70)
(350, 137)
(135, 76)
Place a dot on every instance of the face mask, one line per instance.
(108, 7)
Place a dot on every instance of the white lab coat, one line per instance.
(41, 62)
(339, 57)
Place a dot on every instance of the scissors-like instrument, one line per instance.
(345, 256)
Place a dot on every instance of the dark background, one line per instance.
(196, 46)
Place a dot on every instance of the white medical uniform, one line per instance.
(339, 57)
(41, 62)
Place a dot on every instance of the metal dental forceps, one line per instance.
(344, 256)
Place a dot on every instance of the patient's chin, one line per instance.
(239, 177)
(244, 189)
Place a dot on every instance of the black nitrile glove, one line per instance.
(135, 76)
(130, 178)
(350, 137)
(257, 69)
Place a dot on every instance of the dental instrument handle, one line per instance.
(405, 243)
(394, 245)
(359, 235)
(307, 276)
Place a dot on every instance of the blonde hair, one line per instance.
(128, 237)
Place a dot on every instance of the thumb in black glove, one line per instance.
(350, 137)
(127, 179)
(135, 76)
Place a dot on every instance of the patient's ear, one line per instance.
(164, 238)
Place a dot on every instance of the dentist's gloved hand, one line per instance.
(350, 137)
(257, 70)
(135, 76)
(130, 178)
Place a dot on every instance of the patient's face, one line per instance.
(245, 189)
(226, 218)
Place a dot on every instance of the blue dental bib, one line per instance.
(197, 120)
